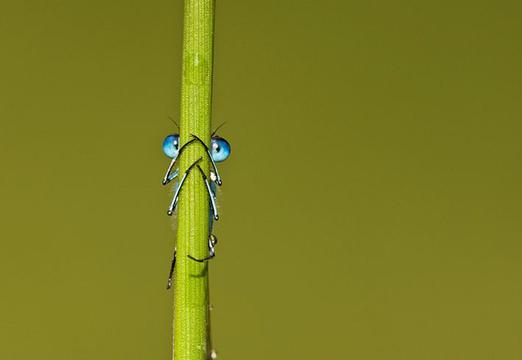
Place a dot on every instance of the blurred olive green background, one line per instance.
(370, 208)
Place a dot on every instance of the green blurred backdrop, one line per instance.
(370, 208)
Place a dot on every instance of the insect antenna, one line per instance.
(219, 127)
(174, 121)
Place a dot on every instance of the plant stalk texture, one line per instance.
(191, 291)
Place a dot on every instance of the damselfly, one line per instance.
(219, 151)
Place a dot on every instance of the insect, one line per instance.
(219, 151)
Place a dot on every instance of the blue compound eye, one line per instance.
(171, 145)
(220, 149)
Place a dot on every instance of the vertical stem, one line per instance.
(191, 299)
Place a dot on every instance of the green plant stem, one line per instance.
(191, 298)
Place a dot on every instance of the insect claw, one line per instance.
(213, 355)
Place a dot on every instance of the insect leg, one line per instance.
(168, 176)
(175, 199)
(218, 178)
(212, 241)
(210, 193)
(172, 265)
(171, 176)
